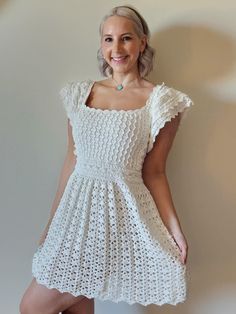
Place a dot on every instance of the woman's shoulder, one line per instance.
(148, 84)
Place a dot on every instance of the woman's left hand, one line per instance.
(181, 241)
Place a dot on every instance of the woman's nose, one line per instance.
(116, 46)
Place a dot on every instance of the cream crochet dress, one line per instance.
(107, 239)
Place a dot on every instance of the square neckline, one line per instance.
(91, 83)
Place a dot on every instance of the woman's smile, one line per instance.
(119, 60)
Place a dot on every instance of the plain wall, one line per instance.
(44, 44)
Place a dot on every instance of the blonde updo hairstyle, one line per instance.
(145, 60)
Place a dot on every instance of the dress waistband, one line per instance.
(108, 172)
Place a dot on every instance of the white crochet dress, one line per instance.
(106, 239)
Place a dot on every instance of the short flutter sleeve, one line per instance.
(166, 104)
(69, 95)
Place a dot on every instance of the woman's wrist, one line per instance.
(174, 226)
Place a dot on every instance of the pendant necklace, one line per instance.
(120, 86)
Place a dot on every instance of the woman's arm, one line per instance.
(68, 166)
(155, 178)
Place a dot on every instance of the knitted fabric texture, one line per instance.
(107, 239)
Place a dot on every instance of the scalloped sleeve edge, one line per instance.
(179, 103)
(67, 98)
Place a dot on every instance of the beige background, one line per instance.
(44, 44)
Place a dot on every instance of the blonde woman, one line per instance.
(114, 233)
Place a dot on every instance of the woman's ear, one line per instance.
(143, 42)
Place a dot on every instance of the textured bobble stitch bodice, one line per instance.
(107, 239)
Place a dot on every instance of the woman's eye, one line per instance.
(126, 38)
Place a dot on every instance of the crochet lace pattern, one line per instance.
(107, 239)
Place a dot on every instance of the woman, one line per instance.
(113, 232)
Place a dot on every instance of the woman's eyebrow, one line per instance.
(121, 34)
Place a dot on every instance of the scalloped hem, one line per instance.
(107, 297)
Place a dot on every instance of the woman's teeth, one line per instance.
(119, 59)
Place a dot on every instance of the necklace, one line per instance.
(120, 86)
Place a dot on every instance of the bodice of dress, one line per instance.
(115, 142)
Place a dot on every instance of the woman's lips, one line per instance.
(119, 60)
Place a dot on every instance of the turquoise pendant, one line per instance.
(119, 87)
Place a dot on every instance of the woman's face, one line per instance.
(120, 44)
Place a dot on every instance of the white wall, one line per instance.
(47, 43)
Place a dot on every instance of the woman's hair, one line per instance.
(145, 60)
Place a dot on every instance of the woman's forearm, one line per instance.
(159, 188)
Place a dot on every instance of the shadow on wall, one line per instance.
(188, 58)
(192, 55)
